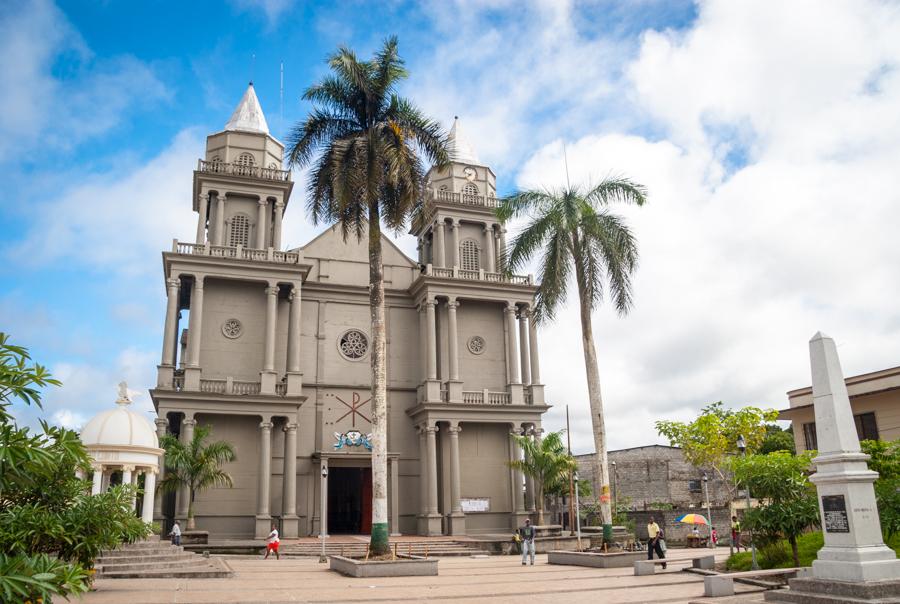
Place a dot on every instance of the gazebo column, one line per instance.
(97, 482)
(149, 495)
(126, 479)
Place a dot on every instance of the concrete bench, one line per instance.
(648, 567)
(715, 586)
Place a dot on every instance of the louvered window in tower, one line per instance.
(240, 230)
(469, 255)
(470, 193)
(244, 164)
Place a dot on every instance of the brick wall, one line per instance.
(676, 532)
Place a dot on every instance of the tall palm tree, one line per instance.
(575, 230)
(196, 465)
(546, 461)
(367, 147)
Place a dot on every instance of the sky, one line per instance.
(767, 134)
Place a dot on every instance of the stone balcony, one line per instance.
(227, 385)
(479, 275)
(218, 167)
(238, 252)
(430, 203)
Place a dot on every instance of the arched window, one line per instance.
(216, 163)
(240, 230)
(469, 255)
(469, 193)
(244, 164)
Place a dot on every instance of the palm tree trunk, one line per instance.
(540, 503)
(379, 541)
(601, 468)
(190, 516)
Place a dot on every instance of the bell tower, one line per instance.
(458, 230)
(240, 188)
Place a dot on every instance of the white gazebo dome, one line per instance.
(122, 440)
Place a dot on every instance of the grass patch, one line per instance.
(778, 555)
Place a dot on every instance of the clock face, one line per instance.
(469, 173)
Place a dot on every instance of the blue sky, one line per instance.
(767, 135)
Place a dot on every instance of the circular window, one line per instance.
(476, 345)
(353, 345)
(232, 329)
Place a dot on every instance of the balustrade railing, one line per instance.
(213, 386)
(473, 397)
(480, 275)
(244, 387)
(486, 397)
(218, 167)
(178, 383)
(228, 386)
(467, 200)
(238, 252)
(280, 388)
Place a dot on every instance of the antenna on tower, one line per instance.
(281, 103)
(252, 66)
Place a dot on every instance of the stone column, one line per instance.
(127, 479)
(183, 496)
(501, 247)
(490, 260)
(529, 485)
(453, 335)
(512, 347)
(524, 347)
(261, 226)
(265, 470)
(457, 517)
(219, 237)
(434, 519)
(518, 478)
(149, 496)
(294, 377)
(267, 375)
(173, 287)
(276, 228)
(423, 481)
(202, 209)
(195, 329)
(97, 481)
(161, 425)
(533, 347)
(290, 522)
(431, 331)
(454, 240)
(440, 254)
(854, 550)
(395, 496)
(423, 341)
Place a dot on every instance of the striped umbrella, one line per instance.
(692, 519)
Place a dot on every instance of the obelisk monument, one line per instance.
(854, 549)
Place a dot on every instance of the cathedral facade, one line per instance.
(273, 354)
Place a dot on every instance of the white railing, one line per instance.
(237, 252)
(280, 388)
(244, 387)
(466, 200)
(480, 275)
(218, 167)
(213, 386)
(486, 397)
(473, 397)
(178, 383)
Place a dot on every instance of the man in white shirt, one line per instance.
(175, 534)
(272, 543)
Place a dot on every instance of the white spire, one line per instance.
(248, 116)
(460, 147)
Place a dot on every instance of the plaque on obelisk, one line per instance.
(854, 549)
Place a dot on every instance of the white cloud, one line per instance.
(46, 109)
(271, 9)
(741, 264)
(69, 419)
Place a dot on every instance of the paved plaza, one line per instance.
(462, 579)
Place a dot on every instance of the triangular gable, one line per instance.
(330, 245)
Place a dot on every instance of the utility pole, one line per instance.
(708, 512)
(571, 479)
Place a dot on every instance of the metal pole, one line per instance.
(615, 491)
(571, 479)
(708, 511)
(323, 504)
(754, 565)
(577, 515)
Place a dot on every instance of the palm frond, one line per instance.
(555, 270)
(617, 190)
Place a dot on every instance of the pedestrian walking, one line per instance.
(175, 534)
(526, 534)
(736, 533)
(654, 542)
(272, 542)
(714, 536)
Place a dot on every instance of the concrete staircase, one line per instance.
(152, 559)
(434, 547)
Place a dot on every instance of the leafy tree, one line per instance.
(788, 502)
(777, 440)
(546, 461)
(196, 465)
(574, 231)
(365, 143)
(51, 528)
(885, 459)
(711, 439)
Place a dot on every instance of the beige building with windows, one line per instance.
(271, 348)
(874, 398)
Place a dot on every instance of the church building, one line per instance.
(270, 347)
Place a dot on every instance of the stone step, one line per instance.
(104, 569)
(199, 572)
(170, 557)
(867, 590)
(143, 551)
(789, 596)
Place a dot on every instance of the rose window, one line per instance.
(476, 344)
(232, 328)
(353, 345)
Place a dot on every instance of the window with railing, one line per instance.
(240, 230)
(469, 255)
(244, 164)
(469, 193)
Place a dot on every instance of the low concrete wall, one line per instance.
(402, 567)
(596, 560)
(542, 545)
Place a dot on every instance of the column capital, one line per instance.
(174, 282)
(291, 427)
(198, 281)
(430, 302)
(454, 223)
(517, 431)
(96, 466)
(263, 202)
(189, 421)
(439, 221)
(454, 430)
(161, 422)
(128, 468)
(453, 303)
(295, 291)
(279, 203)
(511, 307)
(265, 426)
(488, 228)
(272, 290)
(525, 311)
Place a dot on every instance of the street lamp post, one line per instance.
(742, 447)
(322, 512)
(708, 511)
(577, 513)
(615, 490)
